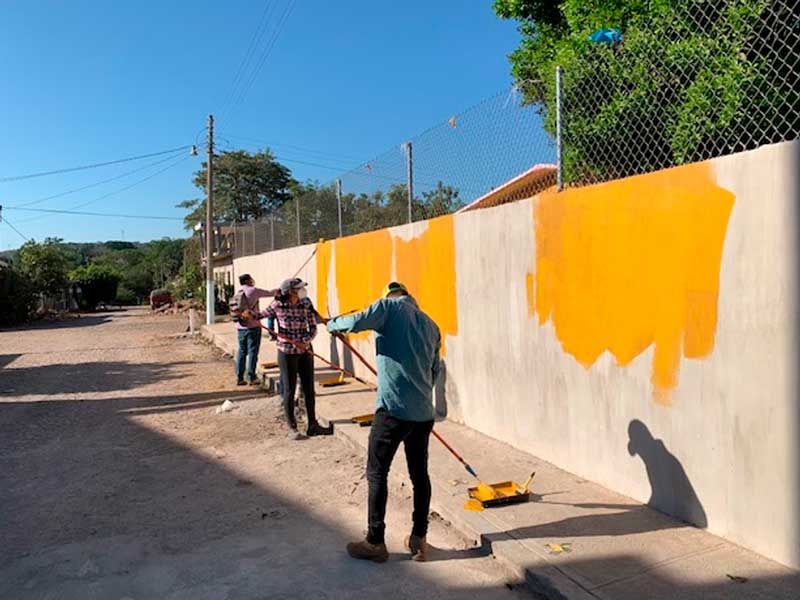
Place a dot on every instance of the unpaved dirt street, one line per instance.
(119, 481)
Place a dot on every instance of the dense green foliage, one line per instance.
(690, 78)
(17, 296)
(107, 272)
(97, 283)
(45, 265)
(246, 187)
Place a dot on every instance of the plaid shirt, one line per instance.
(295, 321)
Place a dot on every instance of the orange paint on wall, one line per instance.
(630, 263)
(363, 268)
(427, 266)
(324, 250)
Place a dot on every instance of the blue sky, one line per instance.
(86, 82)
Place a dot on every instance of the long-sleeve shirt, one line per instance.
(252, 295)
(297, 322)
(407, 345)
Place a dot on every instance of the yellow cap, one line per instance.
(392, 287)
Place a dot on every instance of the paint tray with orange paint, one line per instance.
(501, 494)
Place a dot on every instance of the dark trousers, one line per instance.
(249, 344)
(384, 438)
(291, 366)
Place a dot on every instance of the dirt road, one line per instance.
(118, 480)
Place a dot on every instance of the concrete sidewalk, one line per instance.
(575, 539)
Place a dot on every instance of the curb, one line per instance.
(542, 578)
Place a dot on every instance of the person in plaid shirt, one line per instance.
(297, 327)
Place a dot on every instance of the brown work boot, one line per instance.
(418, 548)
(366, 551)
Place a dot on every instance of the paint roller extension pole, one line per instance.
(469, 469)
(322, 358)
(467, 466)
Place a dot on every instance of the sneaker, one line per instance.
(418, 548)
(317, 429)
(366, 551)
(295, 435)
(241, 382)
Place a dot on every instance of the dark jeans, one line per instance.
(291, 366)
(384, 438)
(249, 344)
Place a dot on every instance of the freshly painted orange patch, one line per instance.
(630, 263)
(427, 266)
(363, 268)
(324, 250)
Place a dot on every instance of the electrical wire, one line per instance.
(91, 185)
(92, 166)
(265, 54)
(22, 235)
(109, 194)
(321, 153)
(255, 41)
(96, 214)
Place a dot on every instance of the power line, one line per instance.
(91, 185)
(109, 194)
(92, 166)
(321, 153)
(265, 54)
(22, 235)
(134, 184)
(96, 214)
(255, 41)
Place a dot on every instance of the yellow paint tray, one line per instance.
(334, 381)
(506, 492)
(363, 420)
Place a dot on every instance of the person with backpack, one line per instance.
(244, 302)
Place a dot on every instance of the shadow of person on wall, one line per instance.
(671, 491)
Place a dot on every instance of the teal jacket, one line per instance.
(407, 344)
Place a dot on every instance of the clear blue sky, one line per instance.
(86, 82)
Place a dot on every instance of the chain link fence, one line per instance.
(697, 80)
(693, 80)
(434, 173)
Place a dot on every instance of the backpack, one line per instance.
(237, 305)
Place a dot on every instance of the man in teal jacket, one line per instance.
(407, 345)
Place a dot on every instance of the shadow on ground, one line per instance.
(94, 503)
(74, 378)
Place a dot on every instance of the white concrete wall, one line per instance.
(732, 423)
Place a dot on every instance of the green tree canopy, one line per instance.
(246, 187)
(98, 284)
(45, 265)
(689, 80)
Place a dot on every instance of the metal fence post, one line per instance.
(339, 203)
(297, 216)
(272, 230)
(410, 178)
(559, 131)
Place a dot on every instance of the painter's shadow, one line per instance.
(671, 491)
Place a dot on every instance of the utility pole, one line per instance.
(209, 227)
(410, 175)
(339, 203)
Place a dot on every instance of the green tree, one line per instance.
(17, 296)
(690, 78)
(246, 187)
(98, 284)
(45, 265)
